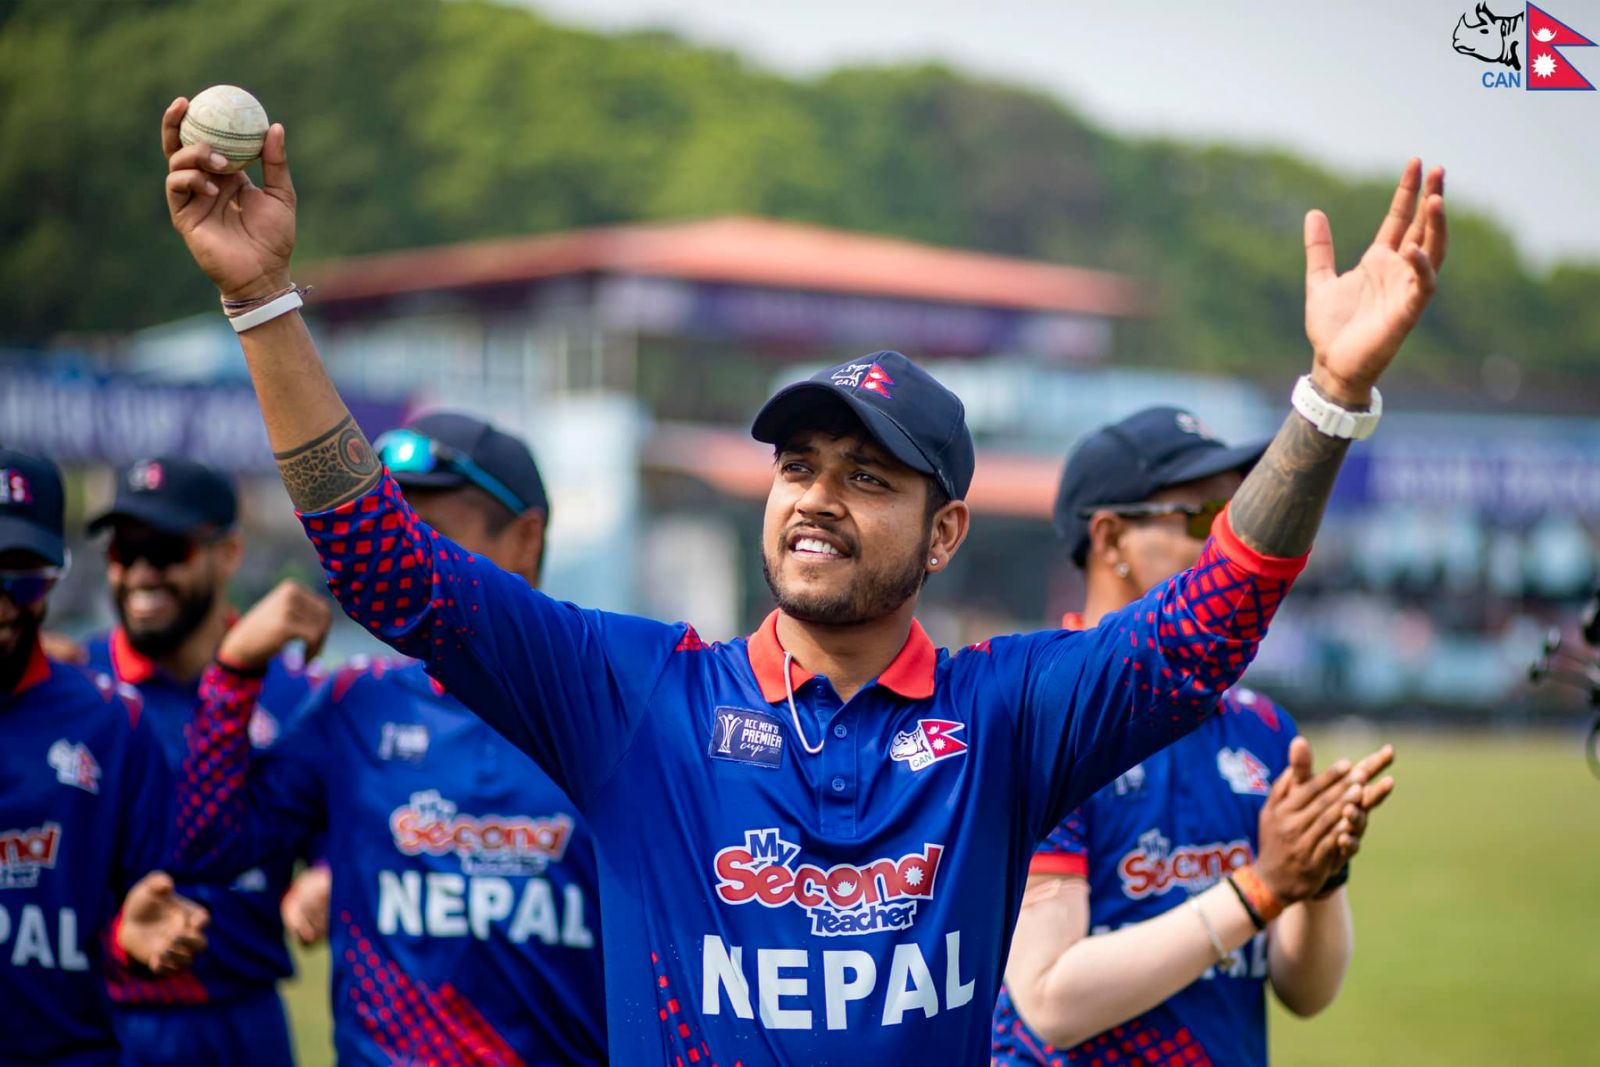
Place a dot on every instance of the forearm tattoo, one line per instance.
(1279, 507)
(329, 470)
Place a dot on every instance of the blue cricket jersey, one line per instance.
(464, 920)
(763, 905)
(85, 810)
(246, 953)
(1169, 827)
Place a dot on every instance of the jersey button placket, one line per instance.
(838, 769)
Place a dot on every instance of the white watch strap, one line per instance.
(266, 312)
(1329, 418)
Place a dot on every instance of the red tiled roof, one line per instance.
(740, 250)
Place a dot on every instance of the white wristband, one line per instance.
(1329, 418)
(266, 312)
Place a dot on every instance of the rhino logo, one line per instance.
(904, 746)
(1492, 38)
(932, 741)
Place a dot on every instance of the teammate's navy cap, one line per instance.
(32, 507)
(173, 494)
(904, 408)
(1130, 461)
(447, 449)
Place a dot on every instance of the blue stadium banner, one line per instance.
(116, 420)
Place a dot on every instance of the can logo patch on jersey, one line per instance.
(844, 899)
(263, 728)
(1130, 781)
(74, 765)
(1243, 771)
(24, 853)
(403, 740)
(932, 741)
(741, 735)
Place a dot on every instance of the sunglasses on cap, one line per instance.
(410, 452)
(30, 587)
(1198, 517)
(159, 550)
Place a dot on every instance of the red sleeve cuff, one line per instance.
(119, 955)
(349, 507)
(1262, 566)
(1074, 863)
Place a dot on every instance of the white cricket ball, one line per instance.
(228, 119)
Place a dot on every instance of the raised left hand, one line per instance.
(1357, 320)
(159, 928)
(290, 612)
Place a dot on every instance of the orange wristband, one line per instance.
(1263, 902)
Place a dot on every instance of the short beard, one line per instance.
(158, 644)
(14, 661)
(876, 595)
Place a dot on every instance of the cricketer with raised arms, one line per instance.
(840, 883)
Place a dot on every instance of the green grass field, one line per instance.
(1477, 901)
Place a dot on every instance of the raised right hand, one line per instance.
(240, 235)
(290, 612)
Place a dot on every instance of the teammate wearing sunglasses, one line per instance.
(173, 547)
(85, 807)
(464, 912)
(1137, 942)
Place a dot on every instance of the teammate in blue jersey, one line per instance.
(85, 812)
(465, 922)
(1176, 968)
(172, 550)
(812, 843)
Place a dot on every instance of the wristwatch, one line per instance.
(1331, 419)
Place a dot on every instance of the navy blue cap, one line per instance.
(174, 494)
(503, 457)
(1130, 461)
(904, 408)
(32, 507)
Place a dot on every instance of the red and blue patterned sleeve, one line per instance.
(1065, 850)
(564, 684)
(238, 808)
(1095, 702)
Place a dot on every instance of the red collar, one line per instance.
(38, 671)
(910, 675)
(1073, 620)
(127, 663)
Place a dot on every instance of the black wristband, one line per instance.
(1255, 916)
(1335, 880)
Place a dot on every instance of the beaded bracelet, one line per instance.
(239, 307)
